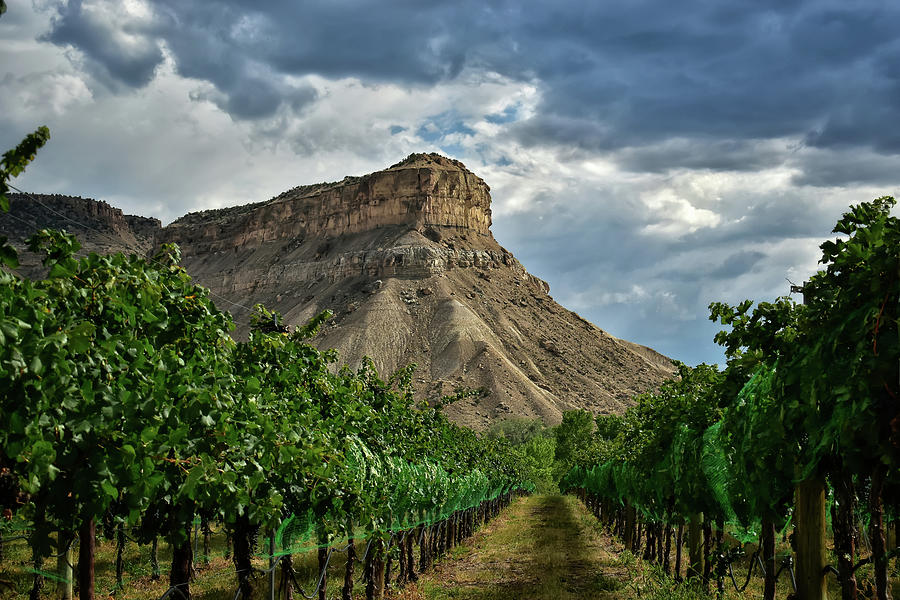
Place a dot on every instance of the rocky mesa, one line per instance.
(405, 259)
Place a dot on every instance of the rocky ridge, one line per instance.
(406, 260)
(98, 226)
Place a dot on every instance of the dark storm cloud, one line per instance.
(127, 56)
(764, 218)
(714, 267)
(258, 97)
(648, 73)
(845, 168)
(713, 155)
(736, 264)
(612, 74)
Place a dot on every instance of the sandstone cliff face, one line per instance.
(98, 226)
(406, 260)
(424, 190)
(108, 224)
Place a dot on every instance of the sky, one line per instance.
(645, 157)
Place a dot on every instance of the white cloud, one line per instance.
(43, 93)
(673, 216)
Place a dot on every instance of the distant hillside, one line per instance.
(98, 226)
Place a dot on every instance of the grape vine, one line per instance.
(808, 401)
(127, 398)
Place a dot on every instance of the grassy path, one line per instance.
(550, 547)
(542, 547)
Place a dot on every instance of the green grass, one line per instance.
(538, 549)
(212, 582)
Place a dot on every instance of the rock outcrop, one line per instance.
(406, 260)
(419, 192)
(98, 226)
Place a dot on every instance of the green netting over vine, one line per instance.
(718, 469)
(415, 494)
(736, 468)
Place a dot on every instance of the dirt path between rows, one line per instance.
(542, 547)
